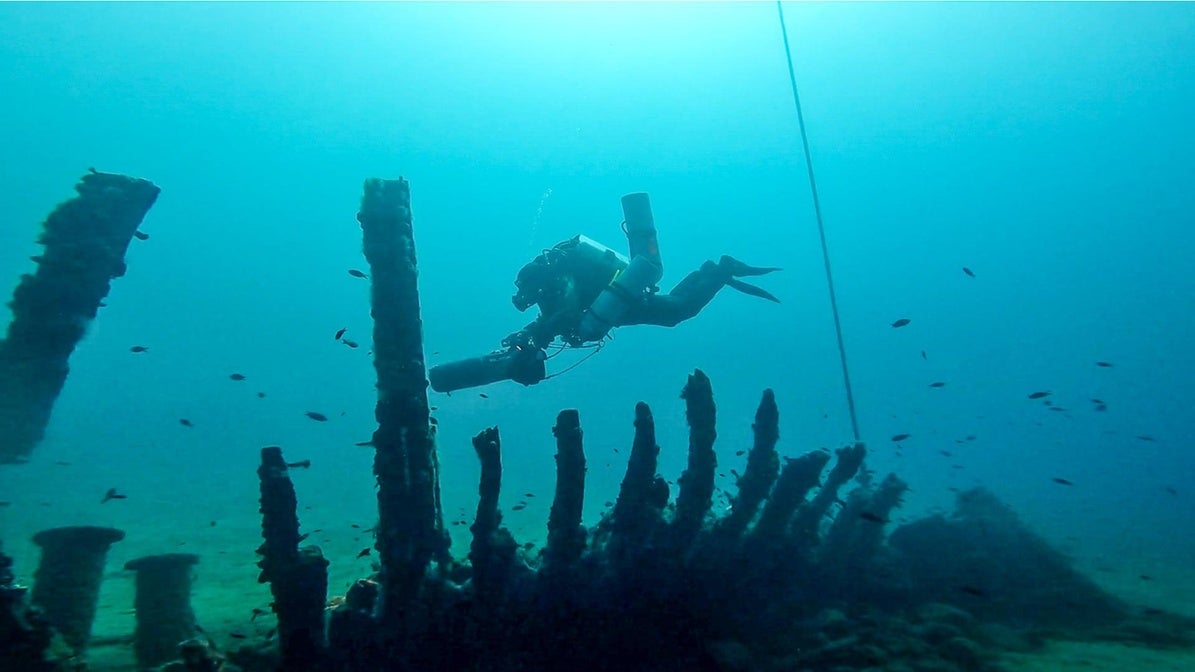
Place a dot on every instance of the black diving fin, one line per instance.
(751, 289)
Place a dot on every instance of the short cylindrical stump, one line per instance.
(66, 585)
(163, 605)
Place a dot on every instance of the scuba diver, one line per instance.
(584, 289)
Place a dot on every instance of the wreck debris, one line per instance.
(410, 521)
(66, 585)
(298, 577)
(163, 606)
(24, 633)
(85, 241)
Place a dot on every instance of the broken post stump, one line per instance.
(85, 241)
(566, 534)
(298, 577)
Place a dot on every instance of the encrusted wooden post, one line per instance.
(410, 522)
(85, 241)
(298, 577)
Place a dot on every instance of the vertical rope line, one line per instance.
(821, 229)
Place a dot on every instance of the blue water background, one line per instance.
(1047, 147)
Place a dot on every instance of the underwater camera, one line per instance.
(521, 364)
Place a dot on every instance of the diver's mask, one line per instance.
(534, 279)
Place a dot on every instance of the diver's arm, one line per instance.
(538, 334)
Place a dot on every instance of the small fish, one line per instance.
(937, 384)
(969, 437)
(339, 333)
(1061, 481)
(872, 518)
(1106, 365)
(364, 443)
(1145, 577)
(5, 505)
(518, 507)
(900, 437)
(318, 417)
(739, 453)
(112, 494)
(237, 635)
(138, 348)
(528, 494)
(350, 343)
(1146, 437)
(140, 235)
(301, 464)
(1039, 395)
(185, 422)
(1096, 401)
(364, 552)
(973, 591)
(357, 274)
(900, 323)
(257, 612)
(968, 271)
(483, 395)
(236, 376)
(1057, 408)
(923, 356)
(261, 395)
(945, 453)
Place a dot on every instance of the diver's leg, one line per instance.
(695, 291)
(684, 301)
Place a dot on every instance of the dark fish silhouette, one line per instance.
(261, 395)
(900, 323)
(923, 355)
(351, 344)
(973, 591)
(138, 348)
(257, 612)
(871, 517)
(364, 443)
(237, 635)
(1171, 490)
(301, 464)
(339, 333)
(185, 422)
(1105, 365)
(318, 417)
(1146, 437)
(483, 395)
(364, 552)
(112, 494)
(937, 384)
(1039, 395)
(968, 271)
(900, 437)
(140, 236)
(518, 507)
(357, 274)
(1096, 401)
(1061, 481)
(1100, 408)
(236, 376)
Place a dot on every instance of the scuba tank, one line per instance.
(631, 282)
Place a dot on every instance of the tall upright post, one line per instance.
(410, 522)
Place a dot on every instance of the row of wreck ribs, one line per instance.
(654, 585)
